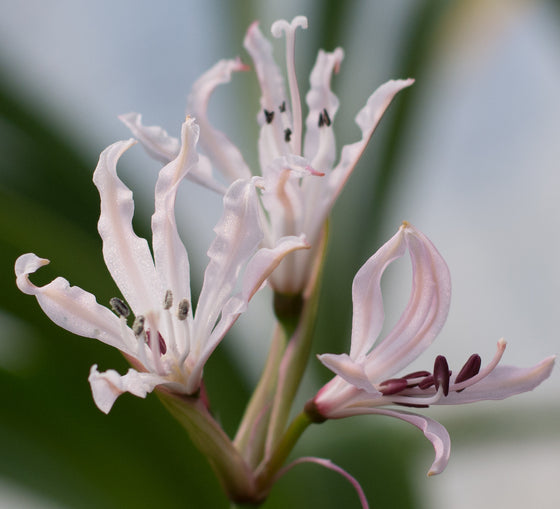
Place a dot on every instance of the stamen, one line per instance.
(441, 374)
(287, 134)
(427, 382)
(138, 325)
(269, 116)
(161, 342)
(392, 386)
(168, 299)
(417, 374)
(321, 121)
(119, 307)
(326, 118)
(183, 309)
(470, 369)
(282, 107)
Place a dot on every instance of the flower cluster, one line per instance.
(271, 231)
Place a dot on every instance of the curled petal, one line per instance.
(223, 154)
(155, 140)
(367, 119)
(319, 145)
(424, 315)
(72, 308)
(502, 382)
(126, 255)
(433, 431)
(108, 386)
(368, 313)
(348, 369)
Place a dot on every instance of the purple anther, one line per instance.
(287, 135)
(326, 118)
(417, 374)
(470, 369)
(162, 345)
(282, 107)
(269, 116)
(427, 382)
(412, 405)
(392, 386)
(441, 374)
(321, 121)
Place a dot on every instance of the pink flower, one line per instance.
(367, 379)
(168, 343)
(303, 172)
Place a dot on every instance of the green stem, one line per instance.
(267, 471)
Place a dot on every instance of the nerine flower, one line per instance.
(303, 174)
(368, 378)
(167, 343)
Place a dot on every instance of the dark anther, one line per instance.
(287, 135)
(441, 374)
(138, 325)
(417, 374)
(392, 386)
(183, 309)
(470, 369)
(321, 122)
(161, 341)
(282, 107)
(268, 115)
(412, 405)
(119, 307)
(326, 118)
(168, 299)
(426, 383)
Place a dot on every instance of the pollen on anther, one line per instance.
(269, 116)
(138, 325)
(287, 135)
(168, 299)
(119, 307)
(183, 309)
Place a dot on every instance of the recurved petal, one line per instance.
(223, 154)
(368, 313)
(424, 315)
(155, 140)
(433, 431)
(238, 234)
(172, 263)
(320, 146)
(72, 308)
(367, 119)
(108, 386)
(348, 369)
(126, 255)
(502, 382)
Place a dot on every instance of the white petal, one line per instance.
(433, 431)
(127, 256)
(348, 369)
(367, 119)
(424, 315)
(172, 263)
(320, 146)
(238, 234)
(368, 313)
(164, 148)
(70, 307)
(155, 140)
(223, 154)
(501, 383)
(108, 386)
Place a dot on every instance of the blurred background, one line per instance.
(469, 155)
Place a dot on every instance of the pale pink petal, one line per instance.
(367, 119)
(501, 383)
(348, 369)
(425, 313)
(164, 148)
(72, 308)
(155, 140)
(433, 431)
(223, 154)
(256, 272)
(368, 313)
(238, 234)
(127, 256)
(108, 386)
(172, 263)
(320, 146)
(331, 466)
